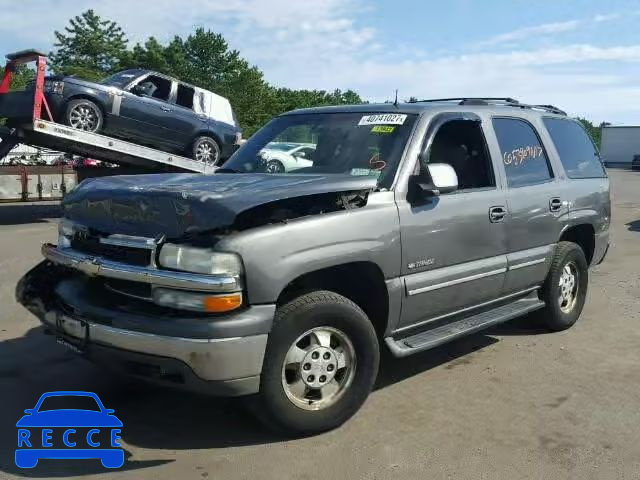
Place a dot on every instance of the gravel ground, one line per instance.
(513, 403)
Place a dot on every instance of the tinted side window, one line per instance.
(577, 153)
(525, 160)
(185, 96)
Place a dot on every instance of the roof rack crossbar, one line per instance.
(503, 101)
(467, 99)
(551, 109)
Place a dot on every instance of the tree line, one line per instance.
(92, 47)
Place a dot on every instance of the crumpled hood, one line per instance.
(175, 204)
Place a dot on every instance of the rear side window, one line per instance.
(185, 96)
(524, 158)
(577, 152)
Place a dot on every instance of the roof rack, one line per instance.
(466, 100)
(503, 101)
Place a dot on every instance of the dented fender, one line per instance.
(275, 255)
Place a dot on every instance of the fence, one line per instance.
(29, 182)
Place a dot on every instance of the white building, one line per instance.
(619, 145)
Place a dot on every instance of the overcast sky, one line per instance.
(583, 56)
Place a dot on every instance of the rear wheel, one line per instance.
(565, 289)
(83, 114)
(206, 150)
(320, 365)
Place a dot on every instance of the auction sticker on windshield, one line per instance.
(383, 119)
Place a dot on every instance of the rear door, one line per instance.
(537, 210)
(183, 120)
(453, 245)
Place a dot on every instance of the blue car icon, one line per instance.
(85, 432)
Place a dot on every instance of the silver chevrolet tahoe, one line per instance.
(409, 226)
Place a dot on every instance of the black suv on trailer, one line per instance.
(147, 108)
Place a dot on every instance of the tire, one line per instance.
(274, 166)
(206, 149)
(83, 114)
(320, 312)
(561, 312)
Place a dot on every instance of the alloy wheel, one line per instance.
(84, 117)
(318, 368)
(206, 152)
(568, 287)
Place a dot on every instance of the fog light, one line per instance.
(197, 302)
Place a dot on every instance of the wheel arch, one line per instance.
(205, 133)
(362, 282)
(583, 235)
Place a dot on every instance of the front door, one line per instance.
(454, 246)
(145, 110)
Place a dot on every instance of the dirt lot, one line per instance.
(513, 403)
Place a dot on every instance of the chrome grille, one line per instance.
(119, 248)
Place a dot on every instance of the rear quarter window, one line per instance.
(578, 155)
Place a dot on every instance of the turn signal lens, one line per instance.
(222, 303)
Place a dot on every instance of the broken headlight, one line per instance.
(200, 260)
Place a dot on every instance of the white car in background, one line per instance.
(283, 157)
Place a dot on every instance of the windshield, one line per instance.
(121, 79)
(67, 402)
(339, 143)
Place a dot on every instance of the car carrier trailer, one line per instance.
(44, 132)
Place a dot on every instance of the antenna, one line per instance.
(396, 100)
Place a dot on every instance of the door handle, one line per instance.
(497, 214)
(555, 204)
(165, 109)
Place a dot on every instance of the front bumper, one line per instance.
(96, 266)
(220, 355)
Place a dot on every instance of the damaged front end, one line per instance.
(35, 290)
(176, 205)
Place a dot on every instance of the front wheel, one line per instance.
(565, 289)
(206, 150)
(83, 114)
(320, 364)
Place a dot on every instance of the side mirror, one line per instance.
(29, 411)
(300, 155)
(444, 177)
(439, 178)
